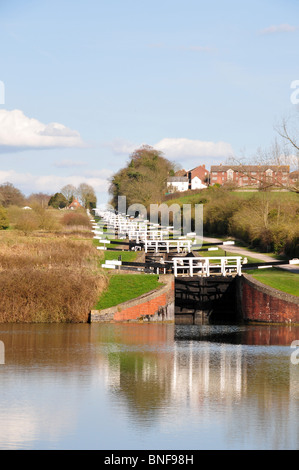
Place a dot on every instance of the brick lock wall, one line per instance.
(150, 307)
(155, 306)
(264, 304)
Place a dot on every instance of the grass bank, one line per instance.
(278, 279)
(124, 287)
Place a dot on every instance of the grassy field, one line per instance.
(221, 252)
(124, 287)
(127, 256)
(278, 278)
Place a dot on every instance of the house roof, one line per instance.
(243, 168)
(181, 173)
(178, 179)
(200, 171)
(75, 203)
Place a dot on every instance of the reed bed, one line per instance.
(45, 278)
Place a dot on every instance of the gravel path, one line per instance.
(261, 256)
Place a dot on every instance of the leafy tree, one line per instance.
(144, 179)
(4, 222)
(58, 201)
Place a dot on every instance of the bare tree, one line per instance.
(87, 196)
(69, 191)
(277, 157)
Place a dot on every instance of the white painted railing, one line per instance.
(166, 245)
(142, 235)
(224, 265)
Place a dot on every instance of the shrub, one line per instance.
(76, 218)
(4, 222)
(38, 218)
(27, 221)
(218, 212)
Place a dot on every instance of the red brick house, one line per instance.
(198, 177)
(75, 204)
(294, 177)
(250, 175)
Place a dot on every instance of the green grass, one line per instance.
(221, 252)
(127, 256)
(284, 281)
(124, 287)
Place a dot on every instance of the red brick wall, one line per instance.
(263, 304)
(155, 306)
(149, 307)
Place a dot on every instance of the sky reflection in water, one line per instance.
(156, 387)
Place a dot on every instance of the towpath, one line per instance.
(261, 256)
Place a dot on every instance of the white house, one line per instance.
(178, 183)
(196, 183)
(198, 177)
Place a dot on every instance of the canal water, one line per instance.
(149, 386)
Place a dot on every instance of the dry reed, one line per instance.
(47, 279)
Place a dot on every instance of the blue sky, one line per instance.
(87, 82)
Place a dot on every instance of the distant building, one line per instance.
(75, 204)
(181, 173)
(250, 175)
(294, 177)
(177, 183)
(198, 177)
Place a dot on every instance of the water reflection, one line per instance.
(148, 386)
(254, 334)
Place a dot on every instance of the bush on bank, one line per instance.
(4, 222)
(265, 220)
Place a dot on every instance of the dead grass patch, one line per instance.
(45, 278)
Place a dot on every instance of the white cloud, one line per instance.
(281, 28)
(122, 147)
(29, 183)
(181, 149)
(19, 132)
